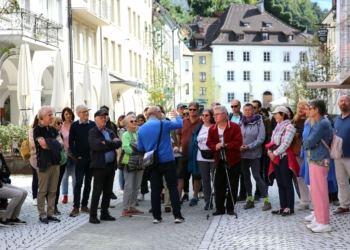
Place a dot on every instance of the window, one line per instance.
(267, 57)
(187, 88)
(202, 91)
(302, 56)
(130, 62)
(230, 75)
(230, 97)
(202, 60)
(187, 66)
(265, 36)
(246, 75)
(120, 58)
(286, 75)
(246, 24)
(268, 24)
(134, 22)
(105, 51)
(114, 57)
(286, 57)
(135, 65)
(84, 44)
(267, 76)
(129, 20)
(199, 42)
(202, 76)
(188, 43)
(118, 12)
(93, 47)
(75, 41)
(246, 56)
(140, 66)
(230, 56)
(290, 38)
(139, 27)
(240, 37)
(246, 97)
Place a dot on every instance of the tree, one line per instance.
(213, 91)
(318, 65)
(9, 7)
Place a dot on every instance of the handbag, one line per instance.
(296, 144)
(336, 148)
(25, 150)
(150, 159)
(206, 153)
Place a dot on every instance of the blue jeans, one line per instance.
(70, 170)
(82, 169)
(168, 169)
(121, 179)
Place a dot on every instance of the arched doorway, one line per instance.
(267, 98)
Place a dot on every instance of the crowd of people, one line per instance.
(214, 147)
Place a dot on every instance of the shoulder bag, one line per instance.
(150, 159)
(336, 148)
(206, 153)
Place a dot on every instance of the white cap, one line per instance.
(281, 109)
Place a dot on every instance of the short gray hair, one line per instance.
(153, 110)
(80, 107)
(125, 121)
(42, 111)
(222, 108)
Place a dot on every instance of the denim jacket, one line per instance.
(321, 130)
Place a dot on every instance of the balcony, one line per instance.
(40, 32)
(97, 12)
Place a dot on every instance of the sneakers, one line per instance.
(140, 197)
(126, 213)
(113, 196)
(94, 220)
(267, 206)
(217, 212)
(65, 199)
(313, 224)
(249, 204)
(17, 221)
(53, 219)
(43, 220)
(107, 217)
(207, 206)
(56, 212)
(240, 199)
(303, 206)
(157, 221)
(133, 210)
(74, 213)
(35, 202)
(194, 201)
(179, 220)
(341, 210)
(310, 217)
(6, 223)
(322, 228)
(167, 209)
(85, 210)
(256, 198)
(185, 198)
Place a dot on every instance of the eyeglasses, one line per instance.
(215, 115)
(59, 123)
(206, 115)
(132, 121)
(185, 114)
(254, 107)
(141, 121)
(234, 106)
(84, 112)
(192, 109)
(311, 108)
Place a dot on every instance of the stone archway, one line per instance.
(267, 98)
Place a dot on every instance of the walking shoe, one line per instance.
(217, 212)
(74, 213)
(113, 196)
(313, 224)
(65, 199)
(179, 220)
(157, 221)
(303, 206)
(56, 212)
(6, 223)
(341, 210)
(185, 198)
(107, 217)
(126, 213)
(53, 219)
(85, 210)
(279, 211)
(194, 201)
(94, 220)
(17, 221)
(121, 192)
(133, 210)
(167, 209)
(35, 202)
(267, 206)
(231, 212)
(43, 220)
(322, 228)
(310, 217)
(336, 203)
(207, 206)
(249, 204)
(140, 197)
(150, 211)
(240, 199)
(201, 194)
(256, 198)
(287, 212)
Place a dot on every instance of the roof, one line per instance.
(209, 25)
(186, 51)
(232, 21)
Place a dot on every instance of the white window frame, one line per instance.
(230, 96)
(267, 76)
(286, 56)
(200, 41)
(290, 38)
(302, 56)
(267, 56)
(202, 76)
(246, 97)
(202, 59)
(230, 76)
(202, 90)
(265, 36)
(240, 37)
(246, 55)
(230, 56)
(246, 76)
(286, 76)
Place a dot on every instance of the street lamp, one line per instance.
(118, 97)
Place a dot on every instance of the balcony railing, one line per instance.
(31, 25)
(100, 8)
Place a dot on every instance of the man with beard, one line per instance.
(342, 165)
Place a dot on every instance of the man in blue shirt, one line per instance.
(147, 141)
(342, 165)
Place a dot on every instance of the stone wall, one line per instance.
(18, 166)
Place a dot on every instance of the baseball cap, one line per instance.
(281, 109)
(100, 112)
(104, 107)
(180, 105)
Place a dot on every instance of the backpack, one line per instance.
(25, 150)
(336, 148)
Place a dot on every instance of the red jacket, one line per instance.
(232, 138)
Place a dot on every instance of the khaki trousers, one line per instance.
(47, 186)
(303, 188)
(342, 172)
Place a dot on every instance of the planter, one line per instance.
(18, 166)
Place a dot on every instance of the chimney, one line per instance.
(261, 6)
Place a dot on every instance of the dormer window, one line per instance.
(240, 37)
(199, 42)
(265, 36)
(246, 24)
(188, 43)
(268, 24)
(290, 38)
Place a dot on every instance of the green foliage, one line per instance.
(6, 49)
(213, 92)
(207, 7)
(10, 6)
(176, 11)
(12, 133)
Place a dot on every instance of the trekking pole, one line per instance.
(211, 195)
(223, 156)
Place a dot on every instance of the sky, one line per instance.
(324, 4)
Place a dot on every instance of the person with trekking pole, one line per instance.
(225, 136)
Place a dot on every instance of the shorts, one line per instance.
(182, 173)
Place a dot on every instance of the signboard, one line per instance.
(322, 35)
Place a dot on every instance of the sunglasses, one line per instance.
(132, 121)
(185, 114)
(255, 107)
(206, 115)
(192, 109)
(235, 106)
(59, 123)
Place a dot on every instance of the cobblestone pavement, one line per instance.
(254, 229)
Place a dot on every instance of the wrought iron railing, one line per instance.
(31, 25)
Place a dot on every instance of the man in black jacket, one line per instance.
(103, 143)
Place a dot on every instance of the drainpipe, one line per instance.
(173, 45)
(70, 38)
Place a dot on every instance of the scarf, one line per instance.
(245, 121)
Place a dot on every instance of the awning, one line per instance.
(343, 84)
(115, 79)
